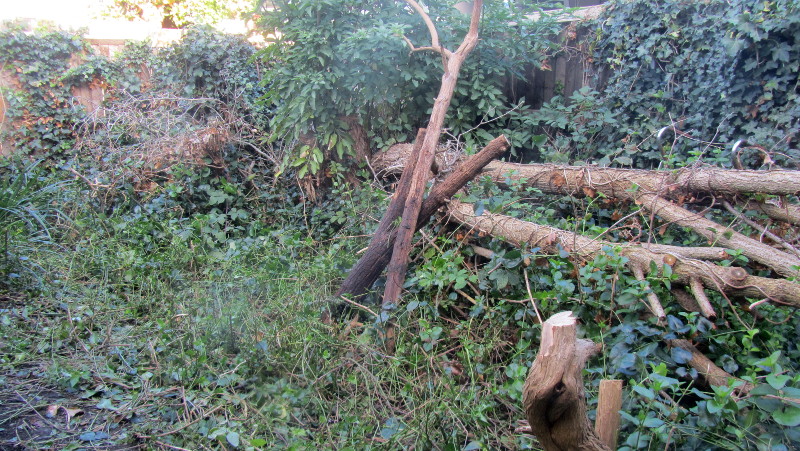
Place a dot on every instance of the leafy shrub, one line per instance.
(325, 77)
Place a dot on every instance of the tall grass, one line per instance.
(29, 210)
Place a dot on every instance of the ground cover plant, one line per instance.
(167, 257)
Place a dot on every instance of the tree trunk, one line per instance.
(370, 266)
(452, 62)
(613, 180)
(727, 280)
(364, 273)
(553, 394)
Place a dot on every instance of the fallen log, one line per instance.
(647, 189)
(731, 281)
(572, 179)
(553, 393)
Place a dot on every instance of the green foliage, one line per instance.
(179, 13)
(341, 61)
(716, 71)
(27, 215)
(39, 104)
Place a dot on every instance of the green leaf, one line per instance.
(788, 416)
(644, 391)
(105, 403)
(653, 422)
(777, 381)
(232, 438)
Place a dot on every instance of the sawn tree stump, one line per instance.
(553, 394)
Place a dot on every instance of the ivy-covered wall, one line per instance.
(715, 72)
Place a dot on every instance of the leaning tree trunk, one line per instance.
(370, 266)
(452, 65)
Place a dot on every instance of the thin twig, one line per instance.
(530, 294)
(760, 228)
(363, 307)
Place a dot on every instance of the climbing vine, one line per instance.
(40, 112)
(713, 72)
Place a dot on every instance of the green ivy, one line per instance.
(719, 71)
(39, 102)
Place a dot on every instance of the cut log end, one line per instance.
(553, 394)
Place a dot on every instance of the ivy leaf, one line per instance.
(105, 403)
(652, 422)
(788, 416)
(478, 208)
(232, 438)
(93, 436)
(680, 355)
(645, 392)
(777, 381)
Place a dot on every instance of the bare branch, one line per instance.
(431, 27)
(777, 210)
(655, 305)
(420, 49)
(713, 374)
(760, 228)
(471, 39)
(700, 296)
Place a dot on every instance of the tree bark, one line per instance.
(452, 62)
(553, 394)
(646, 188)
(370, 266)
(727, 280)
(363, 274)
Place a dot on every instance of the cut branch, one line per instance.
(402, 246)
(646, 188)
(727, 280)
(655, 305)
(760, 228)
(702, 300)
(553, 394)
